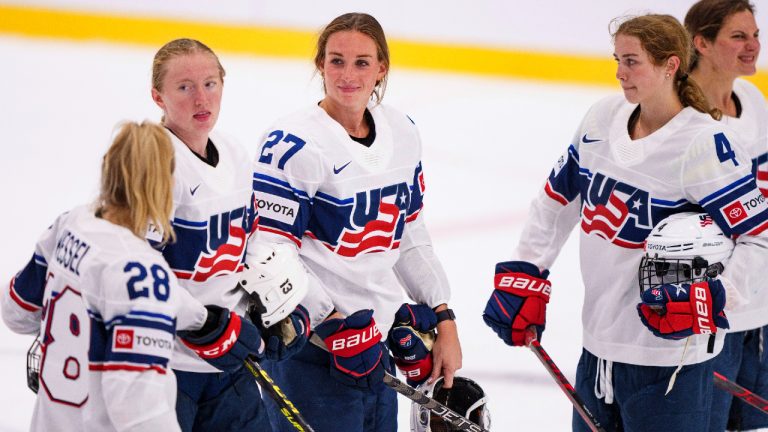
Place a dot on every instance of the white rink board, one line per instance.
(560, 26)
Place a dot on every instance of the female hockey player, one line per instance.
(214, 218)
(342, 181)
(634, 161)
(726, 46)
(107, 306)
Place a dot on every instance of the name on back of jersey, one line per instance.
(70, 251)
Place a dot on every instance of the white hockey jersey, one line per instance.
(617, 189)
(752, 126)
(353, 211)
(214, 217)
(107, 307)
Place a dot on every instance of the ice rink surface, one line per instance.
(488, 146)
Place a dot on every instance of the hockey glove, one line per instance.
(418, 316)
(412, 351)
(353, 343)
(676, 311)
(288, 336)
(225, 340)
(519, 300)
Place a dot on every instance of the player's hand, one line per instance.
(225, 340)
(353, 343)
(288, 336)
(519, 300)
(676, 311)
(446, 353)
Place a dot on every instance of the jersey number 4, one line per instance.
(276, 137)
(723, 148)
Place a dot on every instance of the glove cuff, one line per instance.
(221, 345)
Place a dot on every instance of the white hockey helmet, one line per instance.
(466, 397)
(684, 248)
(276, 280)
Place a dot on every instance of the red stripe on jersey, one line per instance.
(554, 195)
(31, 307)
(759, 229)
(282, 233)
(103, 367)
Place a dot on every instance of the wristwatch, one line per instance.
(446, 314)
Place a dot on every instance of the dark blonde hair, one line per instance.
(662, 36)
(706, 18)
(173, 49)
(367, 25)
(137, 178)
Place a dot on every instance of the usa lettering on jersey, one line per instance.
(217, 246)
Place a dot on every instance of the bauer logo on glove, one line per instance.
(676, 311)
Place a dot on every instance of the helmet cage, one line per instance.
(654, 271)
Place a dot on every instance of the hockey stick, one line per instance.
(532, 342)
(740, 392)
(289, 410)
(447, 414)
(457, 420)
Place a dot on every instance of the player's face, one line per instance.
(736, 47)
(639, 77)
(191, 95)
(351, 69)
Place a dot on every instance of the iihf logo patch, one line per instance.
(123, 339)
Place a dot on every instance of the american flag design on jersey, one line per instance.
(371, 221)
(206, 249)
(624, 214)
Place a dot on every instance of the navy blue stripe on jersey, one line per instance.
(760, 170)
(275, 197)
(28, 287)
(131, 344)
(666, 203)
(190, 224)
(563, 184)
(738, 208)
(725, 190)
(143, 319)
(261, 178)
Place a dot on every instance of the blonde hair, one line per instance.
(662, 36)
(173, 49)
(367, 25)
(137, 178)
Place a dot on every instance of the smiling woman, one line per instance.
(653, 153)
(351, 166)
(726, 40)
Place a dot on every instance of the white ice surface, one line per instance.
(489, 144)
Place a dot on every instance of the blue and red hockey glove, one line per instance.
(353, 343)
(225, 340)
(419, 316)
(519, 300)
(676, 311)
(288, 336)
(412, 351)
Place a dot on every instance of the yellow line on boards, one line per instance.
(287, 43)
